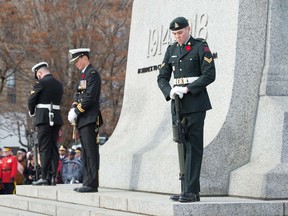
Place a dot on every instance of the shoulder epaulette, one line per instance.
(201, 40)
(172, 44)
(91, 72)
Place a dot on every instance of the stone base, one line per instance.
(255, 181)
(62, 200)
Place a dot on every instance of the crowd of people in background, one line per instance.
(19, 168)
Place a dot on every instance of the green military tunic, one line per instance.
(196, 61)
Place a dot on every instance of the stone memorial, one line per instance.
(245, 141)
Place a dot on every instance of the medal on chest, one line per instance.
(82, 85)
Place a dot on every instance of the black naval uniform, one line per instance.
(45, 91)
(87, 109)
(193, 66)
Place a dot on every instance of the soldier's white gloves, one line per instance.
(72, 116)
(179, 90)
(175, 91)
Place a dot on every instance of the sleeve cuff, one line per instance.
(79, 109)
(74, 104)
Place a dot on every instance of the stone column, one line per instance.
(266, 174)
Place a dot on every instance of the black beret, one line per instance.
(178, 23)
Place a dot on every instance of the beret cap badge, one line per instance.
(176, 25)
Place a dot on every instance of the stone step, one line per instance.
(5, 211)
(62, 200)
(21, 205)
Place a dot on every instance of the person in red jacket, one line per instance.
(8, 170)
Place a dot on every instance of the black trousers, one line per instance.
(193, 150)
(90, 155)
(8, 188)
(49, 155)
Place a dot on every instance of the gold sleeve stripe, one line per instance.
(79, 107)
(74, 103)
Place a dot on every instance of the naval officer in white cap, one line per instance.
(85, 113)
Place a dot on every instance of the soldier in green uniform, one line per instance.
(192, 65)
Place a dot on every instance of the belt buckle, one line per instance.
(180, 81)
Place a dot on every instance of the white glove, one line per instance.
(72, 116)
(172, 93)
(180, 89)
(31, 114)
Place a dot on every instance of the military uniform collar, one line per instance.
(83, 71)
(186, 42)
(190, 39)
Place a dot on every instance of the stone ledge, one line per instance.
(64, 201)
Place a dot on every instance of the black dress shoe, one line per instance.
(75, 189)
(41, 182)
(86, 189)
(176, 197)
(189, 197)
(53, 181)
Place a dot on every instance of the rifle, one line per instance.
(33, 142)
(179, 137)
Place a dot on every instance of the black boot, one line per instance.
(53, 181)
(177, 196)
(189, 197)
